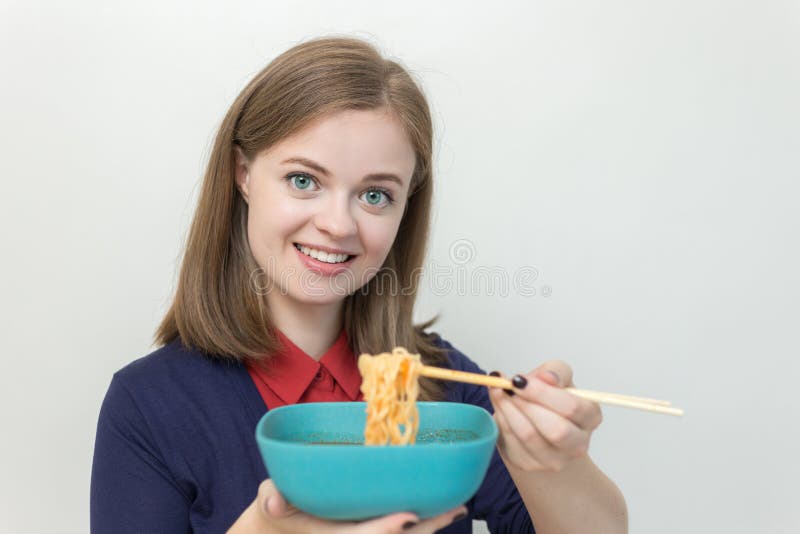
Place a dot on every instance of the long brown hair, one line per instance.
(215, 308)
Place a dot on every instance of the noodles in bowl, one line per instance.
(434, 457)
(304, 452)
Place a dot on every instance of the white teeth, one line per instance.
(322, 256)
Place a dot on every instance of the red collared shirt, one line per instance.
(291, 376)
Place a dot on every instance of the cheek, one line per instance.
(378, 238)
(268, 227)
(271, 216)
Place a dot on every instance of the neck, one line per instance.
(312, 327)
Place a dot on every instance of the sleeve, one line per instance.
(497, 501)
(132, 490)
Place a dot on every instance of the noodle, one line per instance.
(390, 388)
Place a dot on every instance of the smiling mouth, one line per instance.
(323, 256)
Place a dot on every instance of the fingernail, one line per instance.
(519, 382)
(409, 524)
(266, 505)
(554, 376)
(494, 373)
(509, 392)
(459, 517)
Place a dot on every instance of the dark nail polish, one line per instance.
(409, 524)
(509, 392)
(519, 382)
(459, 517)
(494, 373)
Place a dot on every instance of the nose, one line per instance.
(336, 219)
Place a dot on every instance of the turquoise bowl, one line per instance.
(314, 453)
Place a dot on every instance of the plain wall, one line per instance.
(641, 158)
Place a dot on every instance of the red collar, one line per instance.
(290, 371)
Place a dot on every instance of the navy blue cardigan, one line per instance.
(175, 450)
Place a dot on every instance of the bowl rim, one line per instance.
(261, 436)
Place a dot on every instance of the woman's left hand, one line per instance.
(542, 426)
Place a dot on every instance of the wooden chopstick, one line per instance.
(615, 399)
(628, 397)
(620, 400)
(462, 376)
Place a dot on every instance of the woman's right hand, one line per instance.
(270, 513)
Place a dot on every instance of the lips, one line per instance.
(321, 255)
(325, 263)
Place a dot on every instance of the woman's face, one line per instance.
(324, 205)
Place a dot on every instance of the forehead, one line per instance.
(352, 141)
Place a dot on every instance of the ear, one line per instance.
(242, 172)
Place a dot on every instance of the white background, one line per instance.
(642, 156)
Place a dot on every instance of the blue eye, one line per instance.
(377, 197)
(300, 181)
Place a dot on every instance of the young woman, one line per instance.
(304, 252)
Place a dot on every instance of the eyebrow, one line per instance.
(374, 177)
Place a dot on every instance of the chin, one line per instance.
(321, 297)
